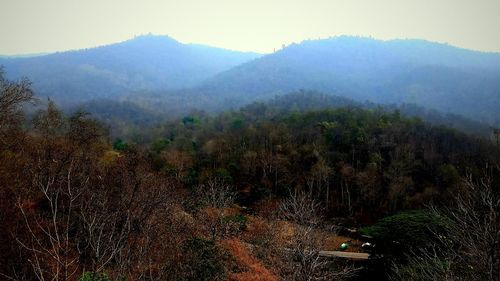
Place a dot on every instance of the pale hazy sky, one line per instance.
(33, 26)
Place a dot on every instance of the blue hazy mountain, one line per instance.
(143, 63)
(159, 71)
(433, 75)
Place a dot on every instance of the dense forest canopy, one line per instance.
(135, 115)
(276, 149)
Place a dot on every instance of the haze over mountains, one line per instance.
(143, 63)
(159, 71)
(400, 71)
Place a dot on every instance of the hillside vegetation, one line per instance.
(253, 193)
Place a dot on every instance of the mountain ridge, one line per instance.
(144, 63)
(434, 75)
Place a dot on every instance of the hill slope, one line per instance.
(143, 63)
(434, 75)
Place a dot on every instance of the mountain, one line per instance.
(157, 71)
(23, 56)
(144, 63)
(433, 75)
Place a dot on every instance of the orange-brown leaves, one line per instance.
(252, 269)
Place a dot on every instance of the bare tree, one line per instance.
(83, 216)
(470, 247)
(215, 197)
(303, 252)
(50, 242)
(104, 229)
(476, 228)
(426, 265)
(216, 194)
(132, 218)
(320, 178)
(12, 96)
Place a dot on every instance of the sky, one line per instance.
(40, 26)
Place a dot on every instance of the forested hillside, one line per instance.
(264, 149)
(136, 114)
(259, 192)
(329, 140)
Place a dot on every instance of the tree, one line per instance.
(302, 254)
(215, 198)
(12, 97)
(54, 255)
(399, 234)
(469, 248)
(81, 214)
(320, 177)
(177, 162)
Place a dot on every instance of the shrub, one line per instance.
(401, 233)
(204, 260)
(238, 220)
(120, 145)
(92, 276)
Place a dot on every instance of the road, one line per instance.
(347, 255)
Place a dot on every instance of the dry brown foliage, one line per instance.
(251, 268)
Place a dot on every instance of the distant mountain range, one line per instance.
(433, 75)
(157, 70)
(143, 63)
